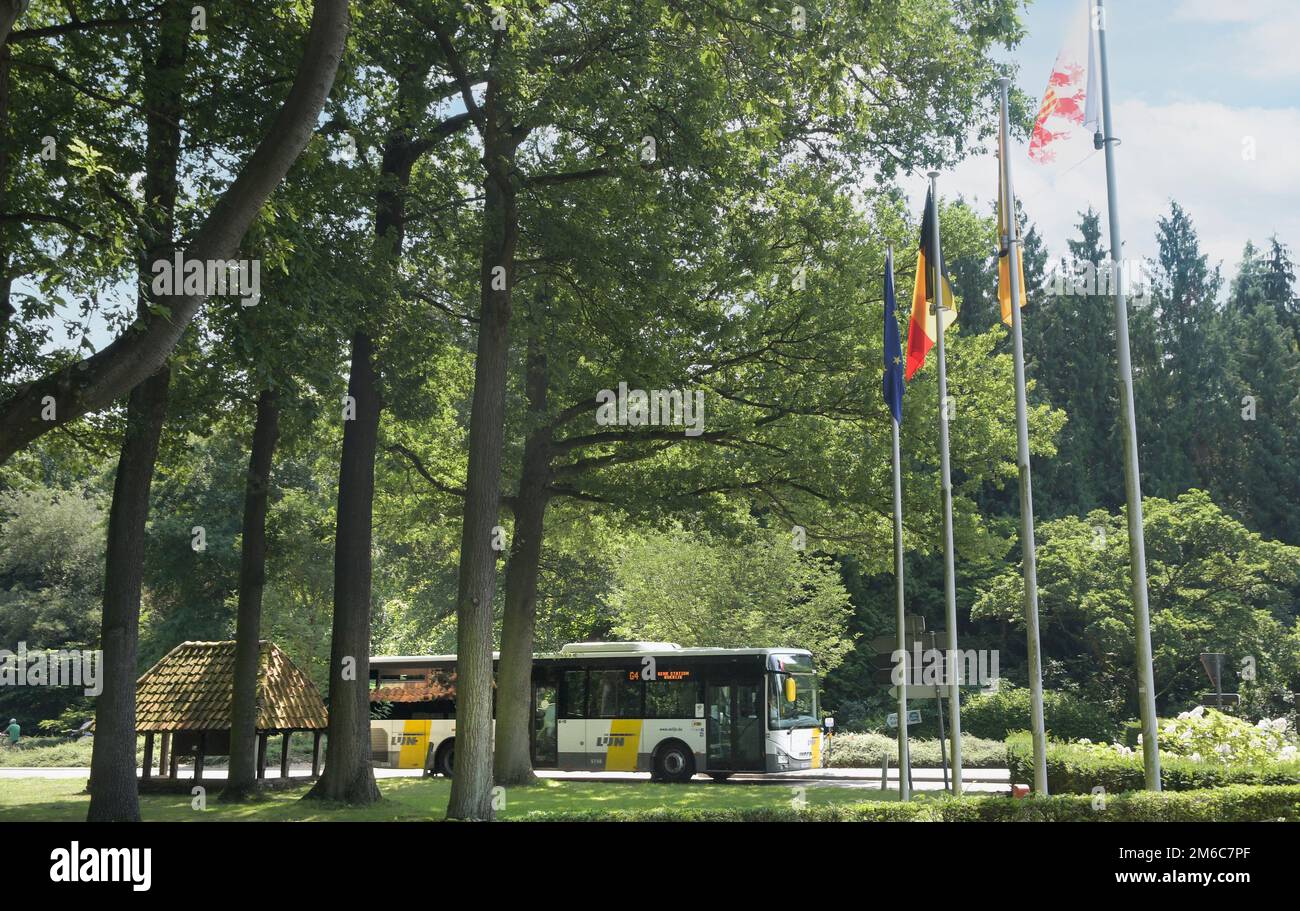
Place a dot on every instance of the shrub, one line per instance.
(1237, 803)
(866, 751)
(1066, 716)
(1078, 768)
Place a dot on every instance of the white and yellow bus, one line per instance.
(621, 706)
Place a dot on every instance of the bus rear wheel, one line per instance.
(445, 761)
(674, 763)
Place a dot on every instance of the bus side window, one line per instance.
(574, 695)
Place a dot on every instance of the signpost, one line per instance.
(913, 715)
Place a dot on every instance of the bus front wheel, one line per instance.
(674, 762)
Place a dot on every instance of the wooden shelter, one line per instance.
(186, 698)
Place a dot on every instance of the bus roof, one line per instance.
(603, 650)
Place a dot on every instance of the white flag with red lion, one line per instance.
(1070, 113)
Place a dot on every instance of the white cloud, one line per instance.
(1259, 37)
(1236, 11)
(1189, 152)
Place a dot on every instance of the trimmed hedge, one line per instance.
(1074, 769)
(865, 751)
(1237, 803)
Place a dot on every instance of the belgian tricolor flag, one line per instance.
(921, 332)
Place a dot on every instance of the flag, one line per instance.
(892, 383)
(1007, 223)
(920, 329)
(1069, 114)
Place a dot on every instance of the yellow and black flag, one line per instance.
(921, 332)
(1007, 222)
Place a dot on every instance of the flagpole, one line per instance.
(949, 570)
(1029, 559)
(904, 757)
(1132, 477)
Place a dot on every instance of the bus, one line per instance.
(620, 706)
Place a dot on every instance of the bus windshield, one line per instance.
(802, 712)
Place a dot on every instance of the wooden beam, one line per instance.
(315, 754)
(164, 751)
(174, 769)
(198, 758)
(284, 755)
(261, 754)
(147, 770)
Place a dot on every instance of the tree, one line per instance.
(1214, 586)
(98, 380)
(675, 586)
(1068, 345)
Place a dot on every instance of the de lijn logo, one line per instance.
(76, 864)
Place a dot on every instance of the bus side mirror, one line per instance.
(791, 690)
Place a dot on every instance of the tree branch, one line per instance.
(105, 376)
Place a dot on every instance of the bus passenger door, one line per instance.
(733, 720)
(546, 735)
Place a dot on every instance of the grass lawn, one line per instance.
(415, 799)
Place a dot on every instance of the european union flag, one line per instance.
(892, 385)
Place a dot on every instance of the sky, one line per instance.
(1195, 84)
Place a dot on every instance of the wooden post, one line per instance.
(261, 754)
(315, 755)
(147, 770)
(284, 755)
(198, 759)
(174, 768)
(164, 753)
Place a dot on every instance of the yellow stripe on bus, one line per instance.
(624, 738)
(816, 749)
(415, 741)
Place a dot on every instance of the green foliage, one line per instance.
(1066, 716)
(1078, 768)
(676, 587)
(1229, 804)
(867, 751)
(1214, 586)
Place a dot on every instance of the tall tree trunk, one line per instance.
(348, 775)
(252, 579)
(512, 760)
(113, 790)
(471, 787)
(354, 779)
(9, 12)
(113, 795)
(7, 309)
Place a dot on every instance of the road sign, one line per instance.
(915, 691)
(913, 717)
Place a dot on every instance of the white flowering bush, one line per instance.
(1208, 736)
(1205, 735)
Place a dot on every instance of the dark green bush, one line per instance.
(1073, 769)
(1236, 803)
(1066, 716)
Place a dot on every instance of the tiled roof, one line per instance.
(190, 690)
(433, 686)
